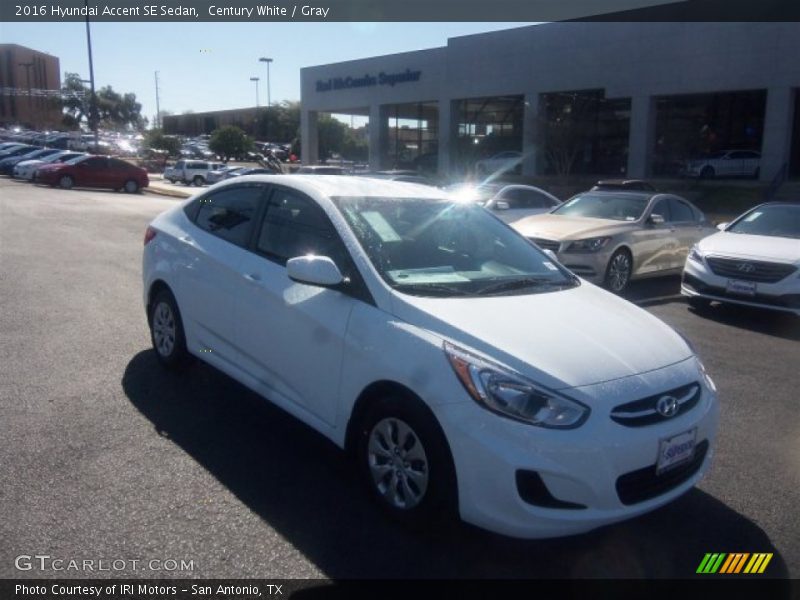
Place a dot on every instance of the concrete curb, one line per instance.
(161, 191)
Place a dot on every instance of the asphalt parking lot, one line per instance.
(103, 455)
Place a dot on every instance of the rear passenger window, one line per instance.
(229, 213)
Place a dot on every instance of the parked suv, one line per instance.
(191, 171)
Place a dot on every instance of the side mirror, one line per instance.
(723, 226)
(501, 205)
(656, 219)
(314, 270)
(550, 254)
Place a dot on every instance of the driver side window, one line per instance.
(662, 208)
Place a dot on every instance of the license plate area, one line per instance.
(676, 450)
(743, 288)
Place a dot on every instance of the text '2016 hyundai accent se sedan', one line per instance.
(464, 369)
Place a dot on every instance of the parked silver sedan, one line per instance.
(612, 237)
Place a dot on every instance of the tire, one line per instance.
(198, 180)
(707, 172)
(172, 181)
(131, 187)
(699, 304)
(618, 271)
(66, 182)
(405, 462)
(166, 331)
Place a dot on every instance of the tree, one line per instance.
(565, 128)
(229, 142)
(114, 110)
(331, 135)
(156, 140)
(280, 122)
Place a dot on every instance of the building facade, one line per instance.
(193, 124)
(633, 99)
(30, 88)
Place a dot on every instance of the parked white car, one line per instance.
(509, 203)
(27, 168)
(464, 369)
(502, 162)
(194, 172)
(753, 261)
(728, 163)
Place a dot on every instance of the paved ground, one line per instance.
(105, 456)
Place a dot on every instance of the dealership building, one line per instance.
(597, 98)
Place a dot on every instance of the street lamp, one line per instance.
(256, 79)
(93, 106)
(267, 60)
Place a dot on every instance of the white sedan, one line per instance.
(509, 202)
(754, 261)
(466, 371)
(27, 168)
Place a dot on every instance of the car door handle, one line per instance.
(252, 277)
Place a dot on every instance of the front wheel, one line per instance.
(405, 462)
(618, 272)
(198, 180)
(707, 173)
(66, 182)
(166, 331)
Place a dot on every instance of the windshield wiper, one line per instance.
(514, 284)
(434, 289)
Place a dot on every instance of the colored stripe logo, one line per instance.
(735, 562)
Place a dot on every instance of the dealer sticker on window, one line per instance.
(675, 450)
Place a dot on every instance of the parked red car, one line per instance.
(94, 171)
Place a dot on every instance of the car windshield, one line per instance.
(772, 220)
(445, 248)
(616, 207)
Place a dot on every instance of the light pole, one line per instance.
(256, 79)
(93, 107)
(269, 97)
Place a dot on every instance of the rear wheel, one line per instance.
(66, 182)
(405, 462)
(166, 331)
(198, 180)
(618, 272)
(707, 172)
(131, 187)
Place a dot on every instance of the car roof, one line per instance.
(336, 185)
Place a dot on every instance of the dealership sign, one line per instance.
(346, 83)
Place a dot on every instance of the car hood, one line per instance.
(757, 247)
(564, 339)
(556, 227)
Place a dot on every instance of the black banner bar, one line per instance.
(397, 10)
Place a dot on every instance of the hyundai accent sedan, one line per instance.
(754, 261)
(94, 171)
(465, 371)
(613, 237)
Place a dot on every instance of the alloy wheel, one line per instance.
(164, 329)
(619, 272)
(398, 463)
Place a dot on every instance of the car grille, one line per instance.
(749, 270)
(546, 244)
(643, 412)
(644, 484)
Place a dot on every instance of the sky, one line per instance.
(208, 66)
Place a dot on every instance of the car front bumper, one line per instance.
(700, 281)
(581, 467)
(590, 265)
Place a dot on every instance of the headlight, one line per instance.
(512, 395)
(706, 377)
(588, 245)
(694, 254)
